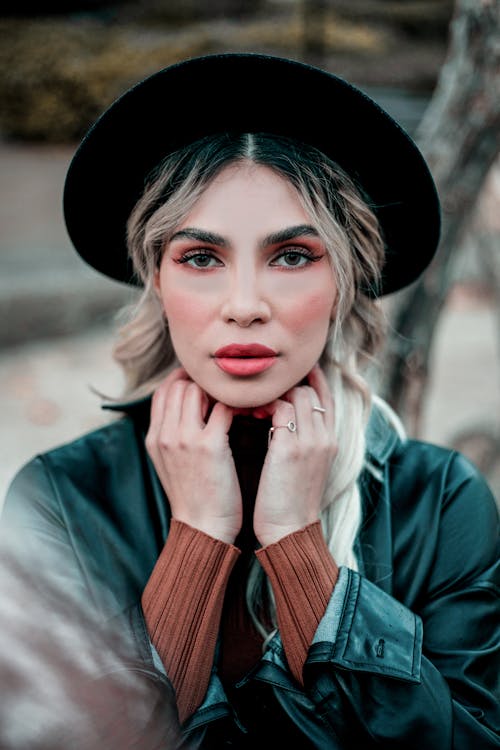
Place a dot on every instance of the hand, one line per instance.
(297, 464)
(192, 457)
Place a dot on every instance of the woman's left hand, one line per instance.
(298, 463)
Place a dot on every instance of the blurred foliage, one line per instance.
(59, 72)
(416, 18)
(285, 36)
(188, 11)
(57, 75)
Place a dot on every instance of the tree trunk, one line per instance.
(459, 137)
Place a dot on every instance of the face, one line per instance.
(247, 288)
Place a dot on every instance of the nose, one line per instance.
(246, 302)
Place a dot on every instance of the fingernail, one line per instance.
(259, 413)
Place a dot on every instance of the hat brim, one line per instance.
(249, 93)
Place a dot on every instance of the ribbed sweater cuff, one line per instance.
(303, 575)
(182, 605)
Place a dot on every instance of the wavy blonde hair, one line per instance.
(351, 234)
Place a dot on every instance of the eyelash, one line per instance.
(302, 252)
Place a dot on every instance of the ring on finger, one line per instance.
(290, 425)
(319, 408)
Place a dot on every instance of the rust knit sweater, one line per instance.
(197, 589)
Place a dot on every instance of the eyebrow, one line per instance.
(200, 235)
(290, 233)
(211, 238)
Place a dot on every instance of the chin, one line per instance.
(243, 403)
(246, 395)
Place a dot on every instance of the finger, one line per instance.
(173, 407)
(268, 410)
(156, 416)
(219, 421)
(283, 418)
(319, 383)
(178, 373)
(282, 412)
(303, 398)
(194, 408)
(262, 412)
(158, 400)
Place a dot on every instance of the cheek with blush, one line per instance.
(183, 313)
(311, 314)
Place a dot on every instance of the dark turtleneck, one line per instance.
(196, 591)
(241, 643)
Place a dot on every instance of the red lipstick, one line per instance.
(245, 359)
(245, 350)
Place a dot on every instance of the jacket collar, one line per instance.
(381, 437)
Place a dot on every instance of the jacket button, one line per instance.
(379, 650)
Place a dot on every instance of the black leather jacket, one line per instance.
(407, 654)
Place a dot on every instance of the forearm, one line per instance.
(182, 605)
(303, 575)
(368, 657)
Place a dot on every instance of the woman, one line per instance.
(280, 553)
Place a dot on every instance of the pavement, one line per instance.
(57, 321)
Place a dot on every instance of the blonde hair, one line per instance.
(350, 231)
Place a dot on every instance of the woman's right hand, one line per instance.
(192, 457)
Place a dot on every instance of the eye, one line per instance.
(200, 259)
(294, 258)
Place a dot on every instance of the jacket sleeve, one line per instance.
(33, 530)
(54, 646)
(382, 674)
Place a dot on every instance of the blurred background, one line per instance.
(433, 64)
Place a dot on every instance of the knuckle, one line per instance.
(184, 444)
(295, 451)
(164, 441)
(328, 451)
(205, 449)
(323, 447)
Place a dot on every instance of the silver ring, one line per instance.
(320, 409)
(289, 425)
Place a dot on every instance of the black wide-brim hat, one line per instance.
(249, 93)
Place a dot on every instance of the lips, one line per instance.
(245, 359)
(245, 350)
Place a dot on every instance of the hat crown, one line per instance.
(249, 92)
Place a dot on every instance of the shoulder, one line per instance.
(101, 447)
(416, 470)
(439, 472)
(442, 503)
(440, 509)
(92, 459)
